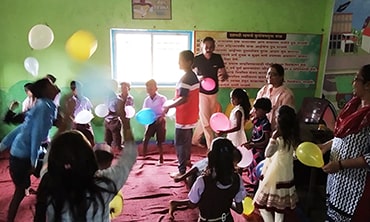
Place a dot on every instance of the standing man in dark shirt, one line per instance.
(208, 65)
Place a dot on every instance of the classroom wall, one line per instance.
(98, 17)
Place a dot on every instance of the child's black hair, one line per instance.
(243, 98)
(288, 125)
(263, 103)
(221, 160)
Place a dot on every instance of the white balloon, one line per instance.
(247, 157)
(172, 111)
(101, 110)
(130, 111)
(31, 65)
(40, 37)
(83, 117)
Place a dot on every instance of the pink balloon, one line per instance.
(247, 157)
(219, 121)
(208, 84)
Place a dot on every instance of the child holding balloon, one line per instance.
(276, 192)
(238, 116)
(155, 101)
(127, 101)
(186, 102)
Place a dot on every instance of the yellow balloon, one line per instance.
(248, 206)
(116, 205)
(310, 154)
(81, 45)
(251, 101)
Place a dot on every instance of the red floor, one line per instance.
(147, 191)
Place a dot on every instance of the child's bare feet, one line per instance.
(171, 210)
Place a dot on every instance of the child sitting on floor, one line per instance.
(219, 189)
(200, 167)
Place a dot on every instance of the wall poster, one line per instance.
(247, 56)
(155, 9)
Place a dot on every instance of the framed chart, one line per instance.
(155, 9)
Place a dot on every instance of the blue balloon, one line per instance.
(145, 116)
(259, 168)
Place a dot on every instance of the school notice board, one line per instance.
(247, 56)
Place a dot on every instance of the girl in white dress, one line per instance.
(276, 192)
(238, 116)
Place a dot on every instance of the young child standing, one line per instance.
(126, 100)
(155, 101)
(239, 114)
(80, 102)
(276, 192)
(219, 189)
(261, 134)
(187, 110)
(261, 131)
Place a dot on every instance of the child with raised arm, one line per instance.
(155, 101)
(238, 116)
(73, 188)
(276, 192)
(218, 189)
(104, 157)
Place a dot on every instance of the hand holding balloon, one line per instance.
(219, 122)
(332, 167)
(310, 154)
(145, 116)
(247, 157)
(101, 110)
(248, 206)
(208, 84)
(259, 168)
(130, 111)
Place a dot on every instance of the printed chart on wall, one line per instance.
(247, 56)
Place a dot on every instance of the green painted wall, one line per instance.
(66, 17)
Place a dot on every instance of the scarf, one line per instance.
(352, 119)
